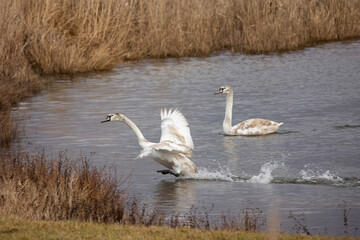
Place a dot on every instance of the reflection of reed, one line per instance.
(232, 145)
(179, 194)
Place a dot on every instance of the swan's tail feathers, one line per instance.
(281, 123)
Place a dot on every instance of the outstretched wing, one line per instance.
(166, 147)
(174, 128)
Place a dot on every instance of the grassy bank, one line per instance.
(47, 37)
(14, 228)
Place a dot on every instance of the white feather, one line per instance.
(174, 128)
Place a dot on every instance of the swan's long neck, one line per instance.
(142, 141)
(228, 114)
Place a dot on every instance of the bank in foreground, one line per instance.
(17, 228)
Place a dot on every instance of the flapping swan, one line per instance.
(254, 126)
(175, 144)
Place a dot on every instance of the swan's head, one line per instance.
(114, 117)
(224, 89)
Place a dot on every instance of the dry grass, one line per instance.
(46, 37)
(33, 187)
(17, 80)
(85, 35)
(14, 228)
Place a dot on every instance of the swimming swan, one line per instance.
(255, 126)
(175, 144)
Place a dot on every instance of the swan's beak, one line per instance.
(219, 91)
(106, 120)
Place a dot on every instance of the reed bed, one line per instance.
(70, 36)
(47, 37)
(33, 187)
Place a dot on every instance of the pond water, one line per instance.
(310, 167)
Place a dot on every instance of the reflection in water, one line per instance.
(179, 193)
(229, 148)
(234, 145)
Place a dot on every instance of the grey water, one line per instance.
(310, 166)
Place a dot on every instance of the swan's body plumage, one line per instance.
(256, 126)
(175, 146)
(250, 127)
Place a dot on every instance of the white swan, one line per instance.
(175, 144)
(255, 126)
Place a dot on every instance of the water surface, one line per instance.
(310, 166)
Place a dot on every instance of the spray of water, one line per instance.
(222, 174)
(316, 176)
(265, 173)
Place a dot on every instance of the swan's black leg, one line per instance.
(168, 171)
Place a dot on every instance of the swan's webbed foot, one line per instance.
(167, 171)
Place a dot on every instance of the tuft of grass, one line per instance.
(59, 189)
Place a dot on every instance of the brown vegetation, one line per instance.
(45, 37)
(31, 186)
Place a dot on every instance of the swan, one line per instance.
(250, 127)
(175, 144)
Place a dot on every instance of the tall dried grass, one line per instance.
(45, 37)
(17, 80)
(33, 187)
(84, 35)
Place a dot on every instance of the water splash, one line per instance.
(265, 173)
(267, 176)
(217, 175)
(317, 177)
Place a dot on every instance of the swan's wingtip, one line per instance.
(281, 123)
